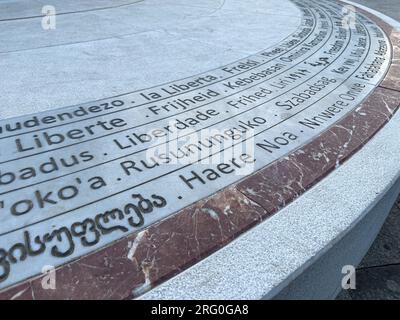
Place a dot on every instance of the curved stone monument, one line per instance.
(229, 149)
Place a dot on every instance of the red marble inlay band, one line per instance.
(392, 79)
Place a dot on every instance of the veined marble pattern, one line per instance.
(76, 179)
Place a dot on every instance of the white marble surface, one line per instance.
(96, 54)
(24, 9)
(267, 258)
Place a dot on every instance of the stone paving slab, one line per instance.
(386, 248)
(378, 273)
(317, 90)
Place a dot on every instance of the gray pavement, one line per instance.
(378, 275)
